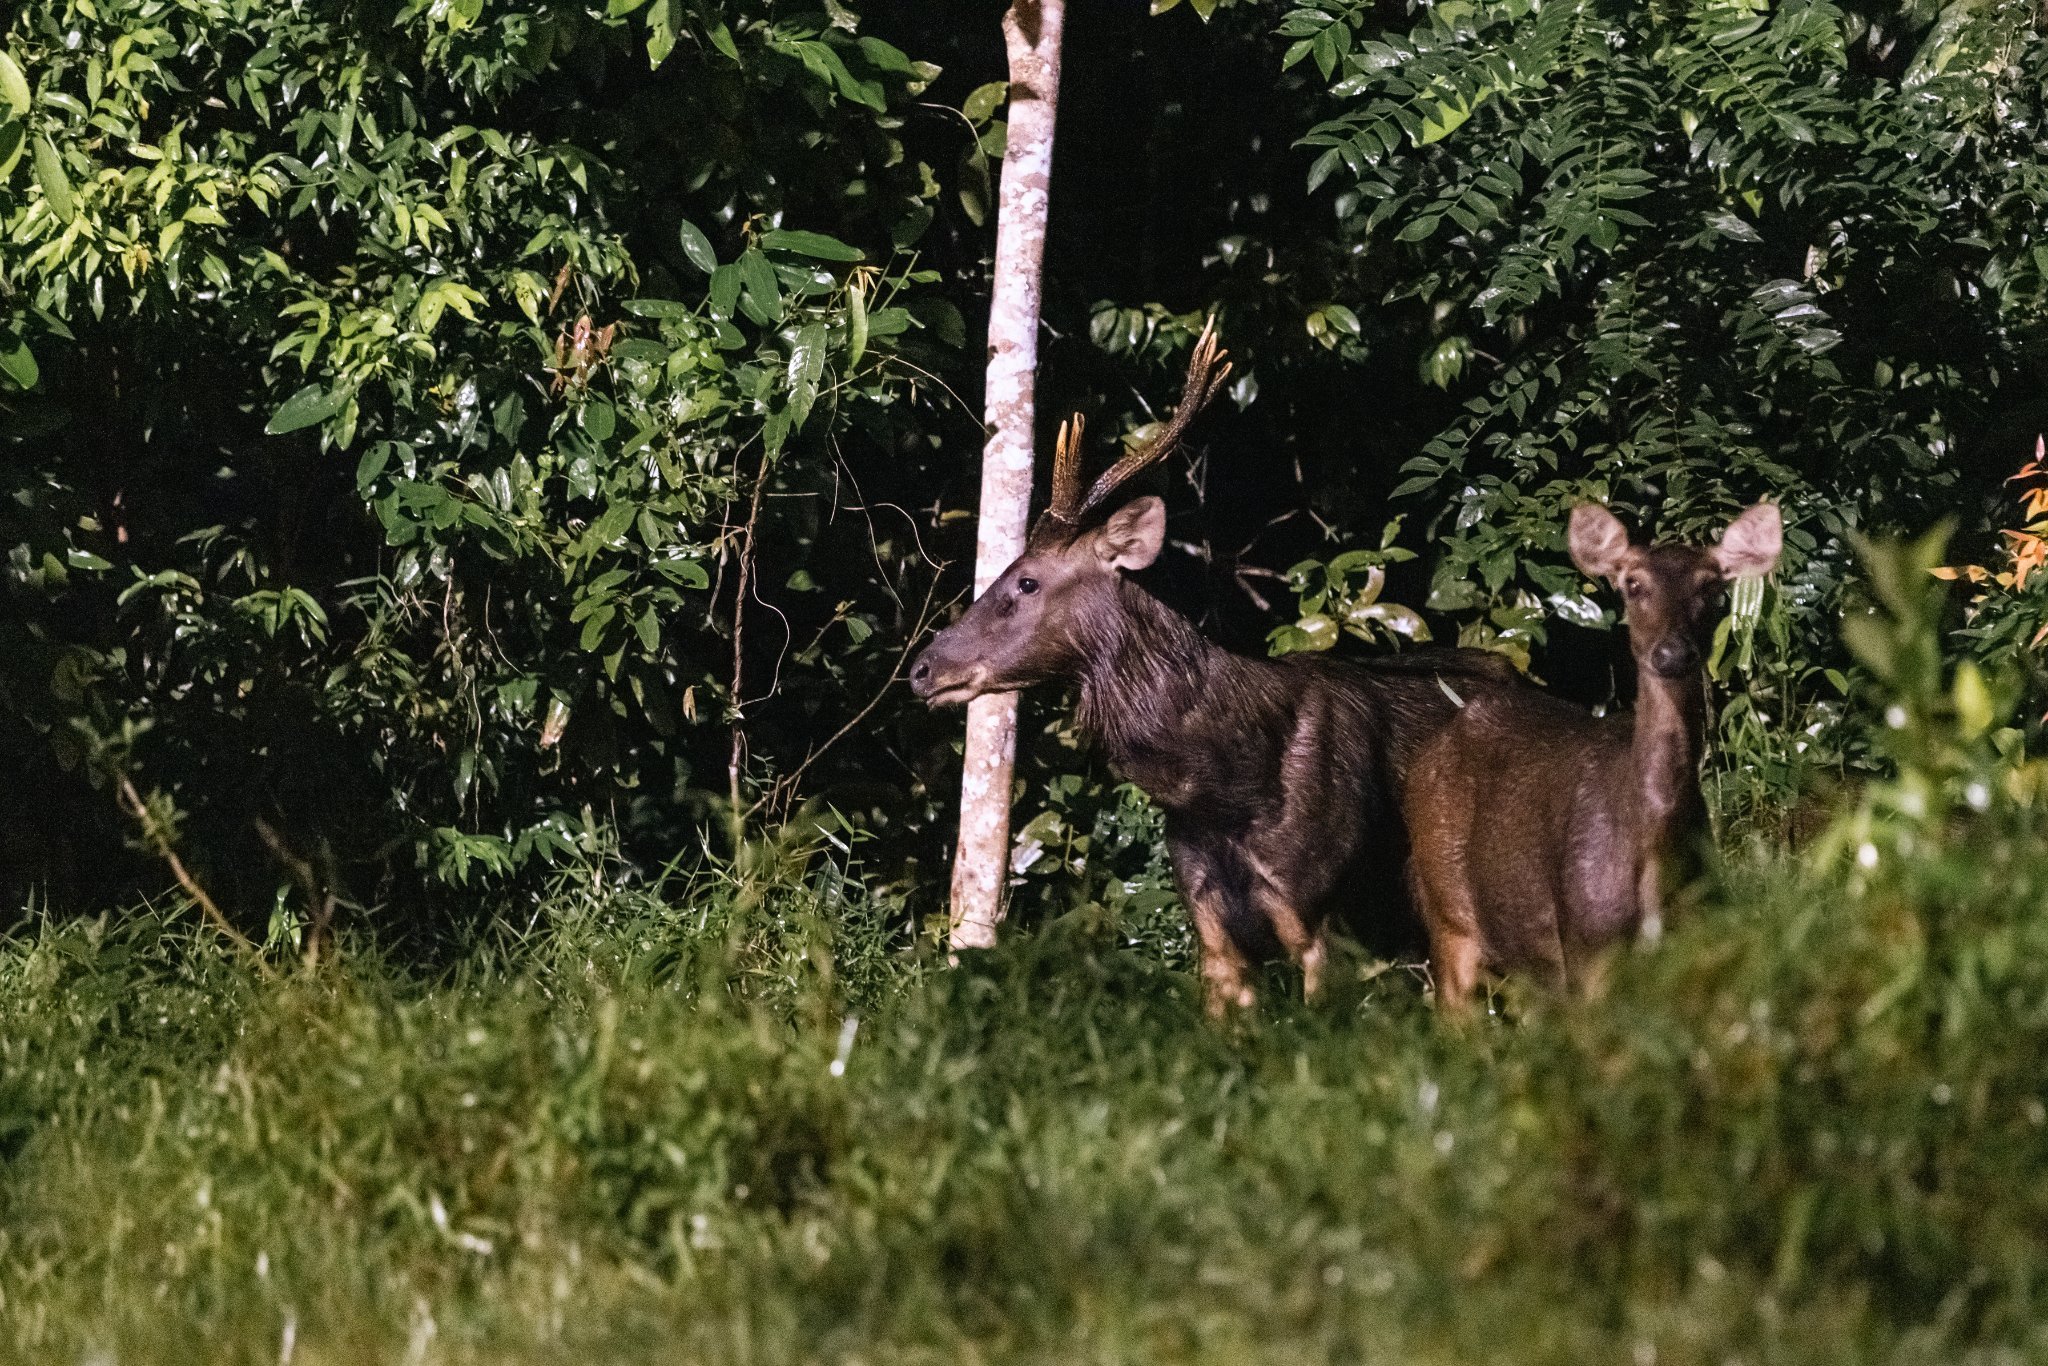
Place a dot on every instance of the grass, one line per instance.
(1808, 1128)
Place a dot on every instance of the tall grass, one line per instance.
(762, 1125)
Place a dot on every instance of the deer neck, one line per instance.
(1670, 717)
(1144, 673)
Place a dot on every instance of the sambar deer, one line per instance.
(1279, 778)
(1542, 833)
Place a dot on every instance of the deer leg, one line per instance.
(1226, 972)
(1226, 976)
(1308, 948)
(1444, 899)
(1650, 901)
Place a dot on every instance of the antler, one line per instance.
(1066, 470)
(1205, 377)
(1060, 518)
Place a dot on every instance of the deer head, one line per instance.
(1671, 593)
(1033, 623)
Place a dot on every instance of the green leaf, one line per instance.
(13, 85)
(697, 247)
(1415, 229)
(56, 185)
(661, 33)
(760, 295)
(593, 627)
(13, 139)
(721, 38)
(985, 100)
(372, 464)
(806, 367)
(310, 405)
(813, 244)
(17, 362)
(857, 322)
(725, 290)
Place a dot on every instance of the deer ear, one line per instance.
(1131, 538)
(1751, 544)
(1598, 540)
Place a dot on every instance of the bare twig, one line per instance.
(926, 615)
(739, 652)
(159, 840)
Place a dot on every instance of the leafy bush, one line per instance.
(408, 393)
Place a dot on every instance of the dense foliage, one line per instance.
(443, 438)
(403, 386)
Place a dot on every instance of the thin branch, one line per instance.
(926, 615)
(739, 651)
(159, 840)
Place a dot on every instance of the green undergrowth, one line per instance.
(1807, 1128)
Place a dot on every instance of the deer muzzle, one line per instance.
(1674, 657)
(943, 680)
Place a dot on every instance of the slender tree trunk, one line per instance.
(1031, 30)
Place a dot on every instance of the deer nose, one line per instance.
(1674, 657)
(921, 677)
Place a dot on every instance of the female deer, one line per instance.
(1541, 833)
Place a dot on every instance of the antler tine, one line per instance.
(1062, 515)
(1066, 469)
(1207, 372)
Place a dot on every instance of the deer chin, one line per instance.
(955, 695)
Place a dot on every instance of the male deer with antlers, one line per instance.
(1280, 778)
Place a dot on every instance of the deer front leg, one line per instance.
(1450, 914)
(1226, 973)
(1226, 976)
(1309, 948)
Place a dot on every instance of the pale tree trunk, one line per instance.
(1031, 30)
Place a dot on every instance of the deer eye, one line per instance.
(1632, 588)
(1027, 585)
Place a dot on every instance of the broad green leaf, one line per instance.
(813, 244)
(697, 247)
(372, 464)
(985, 100)
(1444, 122)
(310, 405)
(725, 290)
(806, 367)
(13, 85)
(760, 295)
(661, 33)
(17, 362)
(56, 185)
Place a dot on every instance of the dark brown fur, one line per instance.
(1541, 833)
(1279, 778)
